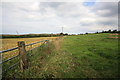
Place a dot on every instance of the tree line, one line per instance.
(111, 31)
(51, 35)
(32, 35)
(108, 31)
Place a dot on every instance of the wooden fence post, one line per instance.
(31, 48)
(22, 55)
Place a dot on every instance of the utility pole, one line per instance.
(17, 32)
(62, 29)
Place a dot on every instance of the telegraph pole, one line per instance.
(62, 29)
(17, 32)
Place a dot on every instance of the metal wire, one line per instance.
(37, 46)
(11, 67)
(36, 42)
(18, 55)
(9, 50)
(18, 47)
(9, 58)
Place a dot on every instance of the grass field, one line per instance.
(81, 56)
(95, 55)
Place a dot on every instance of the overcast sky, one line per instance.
(49, 17)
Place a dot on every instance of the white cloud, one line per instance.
(45, 17)
(35, 6)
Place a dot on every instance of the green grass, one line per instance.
(95, 55)
(82, 56)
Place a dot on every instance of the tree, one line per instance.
(61, 33)
(114, 31)
(109, 31)
(86, 33)
(97, 32)
(66, 34)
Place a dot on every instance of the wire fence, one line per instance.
(11, 49)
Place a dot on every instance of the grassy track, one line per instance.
(95, 56)
(83, 56)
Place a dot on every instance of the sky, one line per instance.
(50, 17)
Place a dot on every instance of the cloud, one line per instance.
(52, 4)
(42, 17)
(106, 9)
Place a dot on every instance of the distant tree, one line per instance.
(86, 33)
(66, 34)
(61, 33)
(51, 34)
(114, 31)
(96, 32)
(109, 31)
(103, 31)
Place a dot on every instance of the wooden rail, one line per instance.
(22, 54)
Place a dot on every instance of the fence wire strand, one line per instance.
(44, 42)
(10, 58)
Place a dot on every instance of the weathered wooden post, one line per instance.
(22, 55)
(31, 48)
